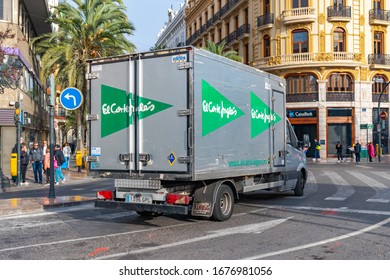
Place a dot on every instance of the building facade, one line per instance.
(173, 34)
(333, 55)
(26, 19)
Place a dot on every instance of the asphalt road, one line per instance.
(344, 215)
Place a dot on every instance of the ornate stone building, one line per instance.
(333, 55)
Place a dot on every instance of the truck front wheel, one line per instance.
(298, 191)
(224, 204)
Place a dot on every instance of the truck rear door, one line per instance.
(139, 110)
(162, 101)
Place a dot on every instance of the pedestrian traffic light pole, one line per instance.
(51, 129)
(18, 108)
(379, 122)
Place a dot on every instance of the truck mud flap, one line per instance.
(171, 209)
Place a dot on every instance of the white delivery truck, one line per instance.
(186, 131)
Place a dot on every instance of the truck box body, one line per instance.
(186, 115)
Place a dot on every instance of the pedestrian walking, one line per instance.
(46, 166)
(339, 150)
(24, 161)
(60, 158)
(371, 151)
(357, 149)
(67, 151)
(36, 158)
(317, 150)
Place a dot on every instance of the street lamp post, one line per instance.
(51, 128)
(379, 122)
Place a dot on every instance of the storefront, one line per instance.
(339, 128)
(305, 121)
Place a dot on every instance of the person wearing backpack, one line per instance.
(317, 150)
(60, 158)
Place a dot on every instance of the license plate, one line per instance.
(139, 198)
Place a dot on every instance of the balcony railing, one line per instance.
(338, 12)
(309, 58)
(243, 29)
(384, 98)
(379, 16)
(302, 97)
(264, 20)
(377, 58)
(298, 15)
(340, 96)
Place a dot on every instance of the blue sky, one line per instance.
(148, 17)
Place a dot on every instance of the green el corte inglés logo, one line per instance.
(117, 109)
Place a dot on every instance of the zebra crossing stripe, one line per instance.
(382, 191)
(344, 189)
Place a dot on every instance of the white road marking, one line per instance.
(382, 191)
(310, 245)
(102, 236)
(251, 228)
(344, 189)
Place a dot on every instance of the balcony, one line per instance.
(339, 13)
(299, 15)
(379, 17)
(229, 7)
(265, 21)
(243, 31)
(379, 61)
(309, 59)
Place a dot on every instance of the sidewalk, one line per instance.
(30, 204)
(385, 159)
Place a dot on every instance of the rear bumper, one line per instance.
(162, 208)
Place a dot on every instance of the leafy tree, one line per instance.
(86, 29)
(219, 49)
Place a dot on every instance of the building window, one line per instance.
(267, 46)
(378, 83)
(267, 7)
(378, 42)
(300, 3)
(378, 5)
(340, 83)
(339, 40)
(302, 83)
(300, 41)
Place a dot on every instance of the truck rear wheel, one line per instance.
(224, 204)
(298, 190)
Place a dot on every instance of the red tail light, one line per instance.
(173, 198)
(104, 194)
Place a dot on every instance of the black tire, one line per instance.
(224, 204)
(298, 190)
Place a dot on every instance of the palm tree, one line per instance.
(86, 29)
(218, 49)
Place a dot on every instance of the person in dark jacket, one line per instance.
(24, 160)
(36, 158)
(357, 149)
(339, 149)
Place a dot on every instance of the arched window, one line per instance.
(267, 46)
(301, 83)
(300, 41)
(378, 83)
(339, 40)
(340, 83)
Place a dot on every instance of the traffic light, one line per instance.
(17, 113)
